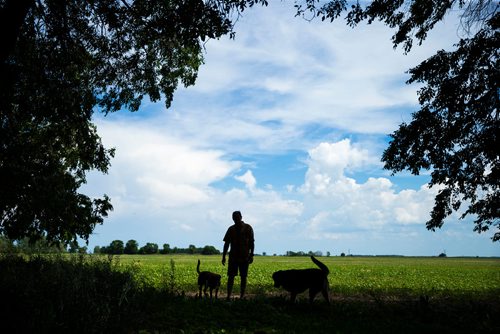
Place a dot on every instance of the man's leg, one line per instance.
(243, 267)
(230, 283)
(243, 286)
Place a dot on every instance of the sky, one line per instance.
(286, 123)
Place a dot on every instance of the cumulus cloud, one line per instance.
(248, 179)
(346, 205)
(158, 169)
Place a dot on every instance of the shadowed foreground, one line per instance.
(77, 295)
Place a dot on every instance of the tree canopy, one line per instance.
(455, 134)
(60, 61)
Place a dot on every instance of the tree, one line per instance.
(6, 245)
(60, 61)
(149, 248)
(82, 250)
(131, 247)
(115, 247)
(455, 134)
(210, 250)
(73, 247)
(166, 249)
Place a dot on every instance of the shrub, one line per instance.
(64, 294)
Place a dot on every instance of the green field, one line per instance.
(156, 294)
(377, 276)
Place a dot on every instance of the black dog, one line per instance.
(296, 281)
(206, 279)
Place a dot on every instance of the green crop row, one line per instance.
(348, 275)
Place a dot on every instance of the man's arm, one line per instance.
(224, 252)
(251, 246)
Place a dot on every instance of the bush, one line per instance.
(64, 294)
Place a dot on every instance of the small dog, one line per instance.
(206, 279)
(296, 281)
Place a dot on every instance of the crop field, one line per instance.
(156, 294)
(349, 276)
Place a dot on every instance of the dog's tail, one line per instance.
(321, 265)
(198, 267)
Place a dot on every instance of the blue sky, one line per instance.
(286, 123)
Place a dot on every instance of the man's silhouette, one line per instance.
(240, 237)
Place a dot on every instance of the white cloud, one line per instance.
(345, 205)
(248, 179)
(159, 170)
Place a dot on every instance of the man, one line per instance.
(240, 237)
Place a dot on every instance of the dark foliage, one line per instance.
(456, 132)
(57, 294)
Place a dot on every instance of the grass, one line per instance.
(155, 294)
(348, 275)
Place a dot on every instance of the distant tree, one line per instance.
(6, 245)
(73, 247)
(210, 250)
(149, 248)
(60, 61)
(27, 246)
(131, 247)
(342, 254)
(166, 249)
(455, 134)
(97, 250)
(442, 255)
(192, 249)
(299, 253)
(115, 247)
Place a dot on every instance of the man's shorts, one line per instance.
(233, 267)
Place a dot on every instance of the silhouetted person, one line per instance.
(240, 237)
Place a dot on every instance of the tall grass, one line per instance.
(56, 293)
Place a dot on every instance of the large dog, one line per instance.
(296, 281)
(208, 280)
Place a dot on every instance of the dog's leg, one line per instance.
(205, 290)
(324, 291)
(216, 292)
(312, 294)
(325, 294)
(293, 295)
(199, 295)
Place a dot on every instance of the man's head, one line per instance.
(237, 217)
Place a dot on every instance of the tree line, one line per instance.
(42, 245)
(117, 247)
(302, 253)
